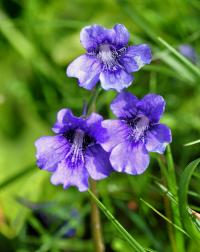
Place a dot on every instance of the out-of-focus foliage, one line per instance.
(38, 39)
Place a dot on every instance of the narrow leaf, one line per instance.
(190, 66)
(131, 241)
(183, 201)
(163, 216)
(192, 143)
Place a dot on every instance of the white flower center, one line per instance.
(107, 56)
(76, 151)
(139, 128)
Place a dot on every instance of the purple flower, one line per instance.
(73, 154)
(109, 58)
(136, 132)
(188, 51)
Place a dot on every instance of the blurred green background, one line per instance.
(38, 39)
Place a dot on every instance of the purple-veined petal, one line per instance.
(66, 121)
(93, 120)
(68, 176)
(97, 162)
(152, 106)
(129, 158)
(116, 79)
(87, 69)
(50, 151)
(136, 57)
(93, 36)
(95, 128)
(122, 35)
(124, 105)
(117, 132)
(157, 138)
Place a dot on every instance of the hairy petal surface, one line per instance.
(130, 158)
(66, 121)
(152, 106)
(97, 162)
(87, 69)
(124, 105)
(116, 79)
(157, 138)
(64, 174)
(122, 35)
(50, 151)
(136, 57)
(116, 133)
(92, 36)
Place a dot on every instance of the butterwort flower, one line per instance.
(188, 51)
(109, 58)
(136, 132)
(74, 153)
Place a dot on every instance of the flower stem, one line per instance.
(172, 185)
(167, 206)
(95, 215)
(95, 221)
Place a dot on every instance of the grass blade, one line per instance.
(17, 176)
(183, 201)
(192, 143)
(172, 184)
(164, 217)
(190, 66)
(130, 240)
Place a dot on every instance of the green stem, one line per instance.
(95, 215)
(127, 237)
(172, 185)
(167, 206)
(95, 221)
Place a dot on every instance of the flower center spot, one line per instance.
(139, 126)
(79, 141)
(107, 56)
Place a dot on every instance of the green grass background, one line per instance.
(38, 39)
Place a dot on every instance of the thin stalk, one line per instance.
(95, 215)
(127, 237)
(167, 208)
(96, 221)
(172, 185)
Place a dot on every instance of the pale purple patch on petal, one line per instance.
(50, 151)
(92, 36)
(152, 106)
(66, 121)
(117, 79)
(157, 138)
(94, 124)
(70, 177)
(124, 105)
(129, 158)
(116, 133)
(97, 162)
(122, 35)
(87, 69)
(136, 57)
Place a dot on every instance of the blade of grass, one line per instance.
(190, 210)
(164, 217)
(183, 201)
(140, 223)
(183, 59)
(172, 184)
(192, 143)
(16, 176)
(130, 240)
